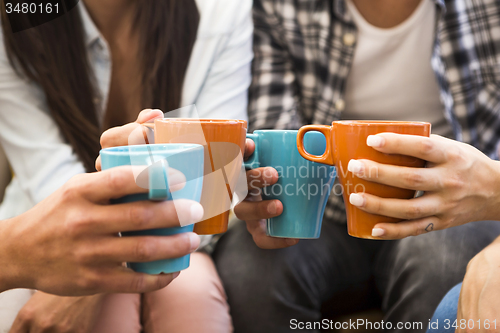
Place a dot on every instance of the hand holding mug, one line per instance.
(68, 244)
(346, 140)
(121, 135)
(461, 185)
(254, 211)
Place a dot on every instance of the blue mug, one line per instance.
(186, 158)
(303, 186)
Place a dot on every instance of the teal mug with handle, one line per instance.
(303, 186)
(185, 158)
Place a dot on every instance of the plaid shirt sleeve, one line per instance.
(467, 63)
(273, 94)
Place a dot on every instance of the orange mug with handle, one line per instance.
(346, 140)
(224, 143)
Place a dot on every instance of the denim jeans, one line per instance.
(269, 290)
(446, 312)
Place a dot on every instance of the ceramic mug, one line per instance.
(346, 140)
(303, 186)
(224, 143)
(185, 158)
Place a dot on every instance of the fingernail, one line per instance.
(196, 212)
(291, 241)
(194, 240)
(355, 166)
(375, 141)
(176, 274)
(377, 232)
(356, 200)
(271, 208)
(149, 112)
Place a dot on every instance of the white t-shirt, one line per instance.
(391, 77)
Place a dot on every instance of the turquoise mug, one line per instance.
(185, 158)
(303, 186)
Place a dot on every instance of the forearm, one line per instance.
(8, 269)
(495, 182)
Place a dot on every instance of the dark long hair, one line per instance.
(54, 56)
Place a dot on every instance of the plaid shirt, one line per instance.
(304, 51)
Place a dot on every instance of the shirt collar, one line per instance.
(91, 32)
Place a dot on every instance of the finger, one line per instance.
(407, 209)
(143, 215)
(254, 194)
(105, 185)
(98, 163)
(145, 248)
(249, 148)
(124, 135)
(124, 280)
(261, 177)
(404, 229)
(132, 133)
(430, 149)
(117, 182)
(257, 210)
(176, 179)
(420, 179)
(258, 231)
(149, 115)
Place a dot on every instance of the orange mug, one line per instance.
(224, 143)
(346, 140)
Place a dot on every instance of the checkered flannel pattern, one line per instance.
(304, 51)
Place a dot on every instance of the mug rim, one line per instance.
(380, 122)
(276, 131)
(171, 148)
(204, 120)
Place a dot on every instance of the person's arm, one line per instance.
(41, 160)
(479, 304)
(7, 273)
(68, 244)
(461, 185)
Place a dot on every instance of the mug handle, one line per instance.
(159, 189)
(327, 157)
(253, 161)
(158, 180)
